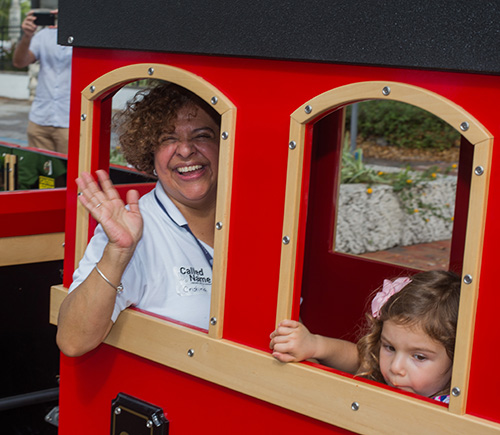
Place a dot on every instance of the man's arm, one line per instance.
(23, 56)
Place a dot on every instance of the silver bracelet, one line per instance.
(118, 289)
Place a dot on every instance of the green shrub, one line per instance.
(403, 125)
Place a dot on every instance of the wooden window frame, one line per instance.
(466, 125)
(116, 79)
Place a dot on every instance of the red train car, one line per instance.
(281, 75)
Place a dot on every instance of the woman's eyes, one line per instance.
(172, 139)
(167, 139)
(204, 136)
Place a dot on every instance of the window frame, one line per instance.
(466, 125)
(110, 83)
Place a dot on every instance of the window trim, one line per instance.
(454, 115)
(109, 83)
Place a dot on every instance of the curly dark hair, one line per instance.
(149, 114)
(430, 300)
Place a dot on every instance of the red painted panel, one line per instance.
(192, 405)
(265, 93)
(27, 212)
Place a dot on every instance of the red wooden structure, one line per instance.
(284, 119)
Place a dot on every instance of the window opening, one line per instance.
(97, 140)
(396, 200)
(391, 215)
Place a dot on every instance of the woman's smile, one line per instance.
(188, 157)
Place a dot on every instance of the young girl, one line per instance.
(410, 340)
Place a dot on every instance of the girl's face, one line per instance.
(187, 159)
(413, 361)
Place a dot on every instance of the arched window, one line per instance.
(96, 108)
(334, 285)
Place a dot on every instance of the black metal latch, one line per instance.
(130, 415)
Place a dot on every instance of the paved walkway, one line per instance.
(425, 256)
(14, 120)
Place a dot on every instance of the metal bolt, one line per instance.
(70, 39)
(308, 109)
(118, 410)
(354, 406)
(479, 170)
(292, 145)
(83, 117)
(386, 90)
(191, 352)
(464, 126)
(214, 100)
(151, 71)
(286, 240)
(455, 391)
(149, 424)
(92, 89)
(218, 225)
(467, 279)
(225, 135)
(213, 320)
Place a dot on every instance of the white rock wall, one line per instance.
(377, 221)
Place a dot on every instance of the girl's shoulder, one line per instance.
(445, 398)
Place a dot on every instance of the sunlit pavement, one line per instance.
(424, 256)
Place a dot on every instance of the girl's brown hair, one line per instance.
(149, 114)
(430, 301)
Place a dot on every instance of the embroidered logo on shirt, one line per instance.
(192, 280)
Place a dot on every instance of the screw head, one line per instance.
(386, 90)
(354, 406)
(70, 40)
(455, 392)
(464, 126)
(118, 410)
(225, 135)
(213, 321)
(190, 352)
(292, 145)
(308, 109)
(92, 89)
(467, 279)
(151, 71)
(83, 117)
(149, 424)
(214, 100)
(286, 240)
(218, 225)
(479, 170)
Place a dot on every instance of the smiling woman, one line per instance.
(157, 253)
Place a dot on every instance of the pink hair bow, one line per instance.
(388, 289)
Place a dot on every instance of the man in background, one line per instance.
(49, 114)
